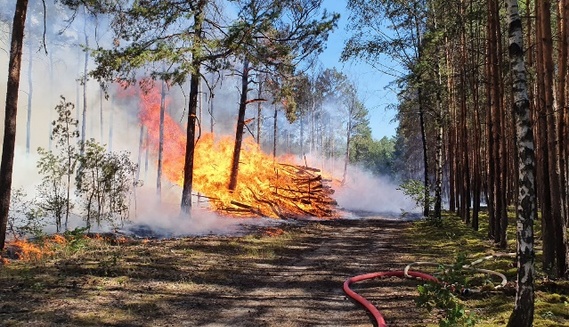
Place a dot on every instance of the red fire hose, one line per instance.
(380, 322)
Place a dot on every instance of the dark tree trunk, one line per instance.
(465, 177)
(439, 170)
(240, 126)
(140, 150)
(275, 132)
(12, 90)
(522, 315)
(426, 184)
(259, 112)
(477, 163)
(544, 185)
(562, 58)
(161, 139)
(553, 164)
(199, 16)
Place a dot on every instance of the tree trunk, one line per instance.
(426, 184)
(161, 140)
(101, 100)
(85, 67)
(240, 126)
(544, 185)
(439, 170)
(199, 17)
(553, 163)
(477, 161)
(259, 109)
(562, 58)
(522, 315)
(464, 159)
(30, 95)
(439, 145)
(275, 132)
(12, 91)
(348, 141)
(140, 150)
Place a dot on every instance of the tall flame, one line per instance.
(260, 176)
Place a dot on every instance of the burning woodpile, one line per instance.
(296, 191)
(267, 186)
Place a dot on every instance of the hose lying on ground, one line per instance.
(380, 321)
(377, 316)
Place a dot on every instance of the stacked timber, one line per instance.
(294, 192)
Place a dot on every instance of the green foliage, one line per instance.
(442, 295)
(103, 181)
(104, 184)
(375, 155)
(415, 190)
(58, 167)
(52, 190)
(76, 239)
(24, 218)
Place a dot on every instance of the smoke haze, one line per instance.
(45, 77)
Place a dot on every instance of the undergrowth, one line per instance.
(456, 244)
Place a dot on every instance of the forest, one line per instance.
(106, 94)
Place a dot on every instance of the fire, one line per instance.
(29, 251)
(265, 187)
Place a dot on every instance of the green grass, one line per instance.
(492, 307)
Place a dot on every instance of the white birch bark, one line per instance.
(522, 315)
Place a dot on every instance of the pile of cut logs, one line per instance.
(294, 192)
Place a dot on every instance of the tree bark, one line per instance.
(240, 126)
(199, 17)
(161, 139)
(426, 184)
(522, 315)
(490, 170)
(275, 132)
(543, 150)
(562, 58)
(259, 113)
(11, 110)
(559, 229)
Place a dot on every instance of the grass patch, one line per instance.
(492, 307)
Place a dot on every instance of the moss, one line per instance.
(492, 307)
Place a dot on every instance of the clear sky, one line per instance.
(371, 83)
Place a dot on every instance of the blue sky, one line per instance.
(371, 83)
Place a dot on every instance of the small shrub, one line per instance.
(442, 295)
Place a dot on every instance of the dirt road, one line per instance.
(291, 280)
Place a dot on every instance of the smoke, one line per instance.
(162, 218)
(362, 191)
(60, 73)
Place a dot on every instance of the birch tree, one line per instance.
(522, 314)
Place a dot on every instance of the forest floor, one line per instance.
(290, 275)
(286, 276)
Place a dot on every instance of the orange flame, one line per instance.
(29, 251)
(260, 177)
